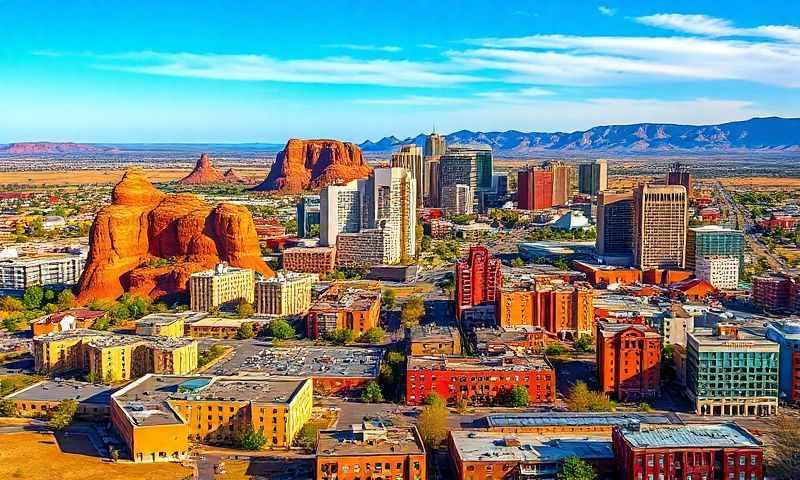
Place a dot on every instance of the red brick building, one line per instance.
(534, 189)
(698, 451)
(309, 260)
(478, 279)
(776, 292)
(775, 221)
(267, 228)
(479, 381)
(628, 360)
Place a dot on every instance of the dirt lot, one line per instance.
(81, 177)
(760, 182)
(36, 456)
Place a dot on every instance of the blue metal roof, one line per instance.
(725, 435)
(578, 419)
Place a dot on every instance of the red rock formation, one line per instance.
(204, 172)
(313, 164)
(142, 227)
(231, 176)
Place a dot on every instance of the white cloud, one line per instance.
(414, 100)
(330, 70)
(516, 95)
(607, 11)
(718, 27)
(366, 48)
(606, 60)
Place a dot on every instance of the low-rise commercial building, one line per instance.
(370, 450)
(629, 360)
(74, 318)
(41, 398)
(285, 294)
(224, 327)
(319, 260)
(158, 416)
(479, 381)
(111, 357)
(523, 340)
(341, 307)
(366, 248)
(722, 451)
(729, 372)
(223, 284)
(786, 334)
(432, 339)
(575, 423)
(161, 325)
(482, 455)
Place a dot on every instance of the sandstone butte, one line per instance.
(231, 176)
(147, 242)
(314, 164)
(204, 172)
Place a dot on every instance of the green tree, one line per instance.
(281, 329)
(49, 296)
(11, 304)
(412, 312)
(244, 309)
(7, 408)
(584, 343)
(517, 262)
(307, 436)
(555, 349)
(250, 439)
(64, 414)
(11, 323)
(573, 468)
(65, 300)
(32, 298)
(518, 397)
(245, 331)
(372, 393)
(137, 306)
(581, 399)
(340, 336)
(432, 424)
(435, 400)
(119, 313)
(388, 298)
(374, 335)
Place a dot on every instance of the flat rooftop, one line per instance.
(55, 391)
(388, 441)
(223, 322)
(432, 332)
(316, 362)
(75, 333)
(221, 272)
(160, 319)
(340, 298)
(147, 400)
(472, 446)
(721, 435)
(479, 364)
(608, 329)
(743, 339)
(511, 420)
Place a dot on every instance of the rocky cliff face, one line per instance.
(204, 172)
(148, 243)
(313, 164)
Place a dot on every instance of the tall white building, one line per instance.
(385, 201)
(721, 271)
(410, 158)
(58, 269)
(457, 200)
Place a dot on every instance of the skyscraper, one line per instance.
(457, 200)
(478, 279)
(307, 215)
(339, 211)
(435, 145)
(679, 175)
(713, 241)
(593, 177)
(467, 165)
(561, 181)
(660, 223)
(432, 191)
(534, 189)
(410, 157)
(615, 224)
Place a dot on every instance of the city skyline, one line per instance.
(264, 72)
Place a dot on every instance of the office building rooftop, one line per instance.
(725, 435)
(474, 446)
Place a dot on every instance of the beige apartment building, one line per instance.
(221, 285)
(287, 293)
(660, 224)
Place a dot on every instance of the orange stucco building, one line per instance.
(343, 307)
(560, 308)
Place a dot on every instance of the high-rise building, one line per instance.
(615, 224)
(561, 181)
(339, 211)
(478, 279)
(713, 240)
(468, 165)
(593, 177)
(660, 223)
(679, 175)
(308, 216)
(456, 200)
(776, 292)
(369, 247)
(629, 360)
(410, 158)
(286, 293)
(223, 284)
(435, 145)
(431, 191)
(721, 271)
(384, 201)
(534, 189)
(786, 333)
(731, 373)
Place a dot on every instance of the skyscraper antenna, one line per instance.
(434, 127)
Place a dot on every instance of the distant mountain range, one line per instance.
(40, 148)
(771, 134)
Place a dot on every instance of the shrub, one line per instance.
(281, 329)
(340, 336)
(518, 397)
(250, 439)
(373, 335)
(64, 414)
(555, 349)
(584, 344)
(412, 312)
(244, 309)
(372, 393)
(435, 400)
(245, 331)
(7, 408)
(581, 399)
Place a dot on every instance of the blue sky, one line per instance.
(244, 71)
